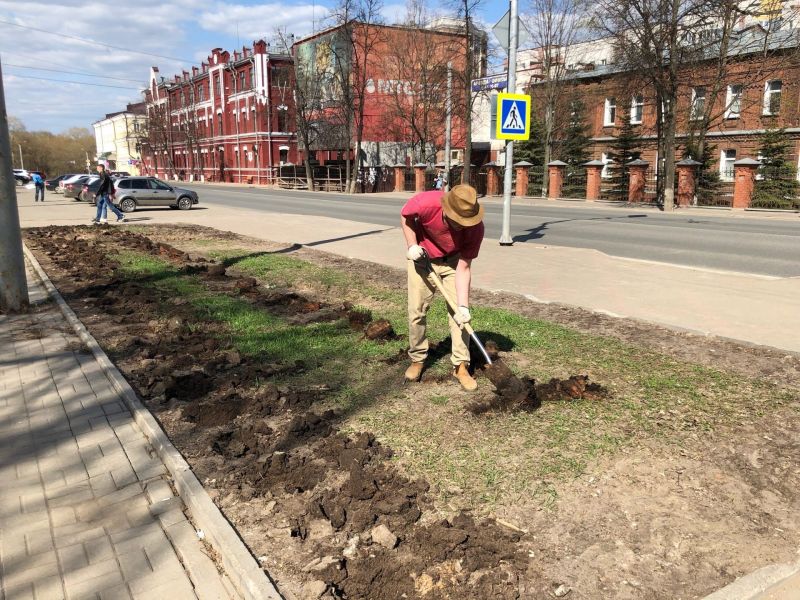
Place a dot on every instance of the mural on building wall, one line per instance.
(326, 59)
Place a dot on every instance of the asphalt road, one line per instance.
(749, 245)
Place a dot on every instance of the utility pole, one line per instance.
(448, 125)
(13, 286)
(513, 36)
(21, 164)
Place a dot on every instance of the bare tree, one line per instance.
(473, 45)
(653, 41)
(555, 28)
(361, 21)
(416, 59)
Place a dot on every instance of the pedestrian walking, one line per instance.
(448, 227)
(439, 183)
(103, 198)
(39, 183)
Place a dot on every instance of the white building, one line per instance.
(117, 138)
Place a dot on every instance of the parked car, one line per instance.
(70, 178)
(144, 192)
(22, 177)
(89, 189)
(119, 174)
(73, 188)
(52, 184)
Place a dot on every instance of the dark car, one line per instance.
(73, 188)
(89, 190)
(144, 192)
(21, 176)
(52, 184)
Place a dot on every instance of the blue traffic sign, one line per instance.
(513, 117)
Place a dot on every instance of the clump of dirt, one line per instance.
(515, 394)
(332, 506)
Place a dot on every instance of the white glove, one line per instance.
(415, 252)
(462, 316)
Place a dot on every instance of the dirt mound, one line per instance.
(514, 394)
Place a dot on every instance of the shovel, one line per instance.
(451, 302)
(511, 390)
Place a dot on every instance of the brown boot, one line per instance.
(461, 372)
(414, 372)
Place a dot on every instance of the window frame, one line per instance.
(637, 103)
(694, 114)
(768, 95)
(609, 106)
(724, 159)
(729, 100)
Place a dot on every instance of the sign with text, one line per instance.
(513, 120)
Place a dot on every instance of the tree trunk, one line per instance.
(669, 158)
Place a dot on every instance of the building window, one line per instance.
(610, 112)
(284, 155)
(183, 99)
(242, 81)
(219, 124)
(201, 93)
(280, 76)
(637, 110)
(217, 86)
(606, 172)
(252, 78)
(733, 102)
(698, 103)
(283, 120)
(727, 158)
(772, 97)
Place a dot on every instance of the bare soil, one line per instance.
(318, 505)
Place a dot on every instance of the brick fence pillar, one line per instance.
(492, 179)
(419, 177)
(686, 173)
(637, 174)
(522, 178)
(399, 178)
(555, 178)
(594, 173)
(744, 176)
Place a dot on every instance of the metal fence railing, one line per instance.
(536, 176)
(714, 188)
(574, 185)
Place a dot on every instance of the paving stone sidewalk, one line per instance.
(86, 506)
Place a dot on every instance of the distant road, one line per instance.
(749, 245)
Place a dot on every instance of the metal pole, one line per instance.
(448, 125)
(21, 163)
(513, 36)
(13, 286)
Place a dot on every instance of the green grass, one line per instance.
(477, 462)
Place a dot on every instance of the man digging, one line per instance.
(449, 227)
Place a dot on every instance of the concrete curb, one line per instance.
(241, 567)
(766, 583)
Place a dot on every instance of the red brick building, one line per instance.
(404, 88)
(230, 119)
(760, 91)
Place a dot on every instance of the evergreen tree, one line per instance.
(623, 150)
(707, 184)
(531, 149)
(573, 149)
(777, 186)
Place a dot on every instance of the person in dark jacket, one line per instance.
(103, 198)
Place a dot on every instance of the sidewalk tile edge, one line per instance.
(241, 567)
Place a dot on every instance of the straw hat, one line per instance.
(461, 205)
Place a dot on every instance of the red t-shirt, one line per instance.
(433, 232)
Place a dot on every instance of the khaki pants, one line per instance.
(420, 294)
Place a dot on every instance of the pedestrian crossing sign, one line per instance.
(513, 117)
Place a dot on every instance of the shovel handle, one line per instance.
(451, 302)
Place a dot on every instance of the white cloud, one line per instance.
(263, 20)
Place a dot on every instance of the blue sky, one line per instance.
(185, 30)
